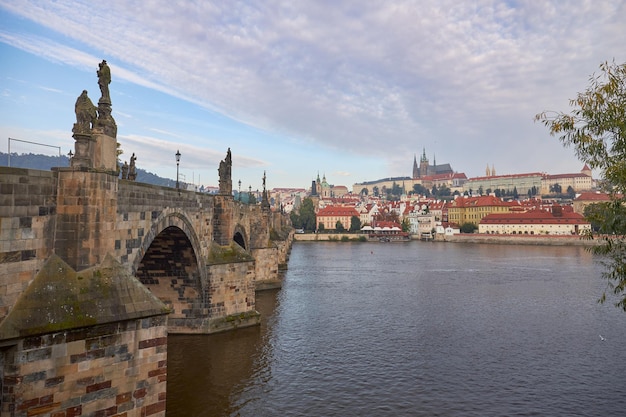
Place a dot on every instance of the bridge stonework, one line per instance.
(95, 271)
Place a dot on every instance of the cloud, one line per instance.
(462, 79)
(155, 152)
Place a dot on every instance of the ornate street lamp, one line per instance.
(70, 155)
(177, 163)
(239, 192)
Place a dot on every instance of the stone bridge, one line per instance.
(95, 271)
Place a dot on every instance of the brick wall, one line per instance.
(117, 369)
(27, 221)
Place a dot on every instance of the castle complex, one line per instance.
(423, 174)
(427, 170)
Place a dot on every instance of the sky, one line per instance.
(348, 89)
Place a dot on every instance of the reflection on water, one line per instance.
(204, 371)
(416, 329)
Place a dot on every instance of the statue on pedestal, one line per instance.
(104, 79)
(125, 171)
(86, 114)
(132, 171)
(224, 171)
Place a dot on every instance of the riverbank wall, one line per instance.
(518, 239)
(550, 240)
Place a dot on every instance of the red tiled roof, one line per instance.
(337, 211)
(482, 201)
(531, 174)
(591, 196)
(558, 176)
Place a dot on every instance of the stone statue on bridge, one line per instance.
(225, 173)
(125, 171)
(104, 79)
(86, 114)
(132, 170)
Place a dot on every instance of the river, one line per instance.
(415, 329)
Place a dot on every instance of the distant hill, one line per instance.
(46, 162)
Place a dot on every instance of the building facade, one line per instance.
(523, 183)
(328, 217)
(558, 221)
(472, 209)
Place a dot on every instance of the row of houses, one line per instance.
(489, 214)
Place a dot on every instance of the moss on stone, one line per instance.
(60, 298)
(228, 254)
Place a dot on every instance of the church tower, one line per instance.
(423, 165)
(416, 173)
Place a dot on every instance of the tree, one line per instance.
(444, 191)
(420, 189)
(375, 191)
(556, 188)
(571, 193)
(468, 227)
(406, 225)
(355, 224)
(364, 191)
(596, 129)
(339, 226)
(304, 218)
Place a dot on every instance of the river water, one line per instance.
(415, 329)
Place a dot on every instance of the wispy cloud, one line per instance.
(462, 79)
(151, 148)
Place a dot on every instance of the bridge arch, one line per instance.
(241, 237)
(171, 265)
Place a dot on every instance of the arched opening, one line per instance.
(238, 238)
(169, 269)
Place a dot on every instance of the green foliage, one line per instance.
(304, 218)
(468, 228)
(228, 254)
(355, 224)
(395, 192)
(596, 129)
(339, 226)
(420, 189)
(556, 188)
(406, 225)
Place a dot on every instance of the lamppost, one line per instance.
(239, 192)
(249, 194)
(70, 155)
(177, 163)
